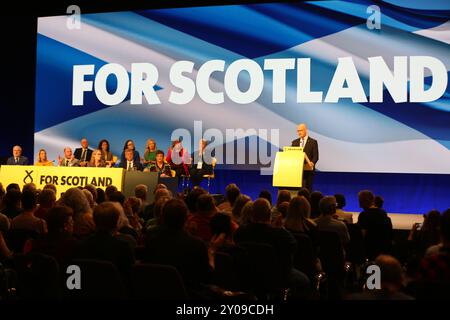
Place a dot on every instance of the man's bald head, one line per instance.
(391, 272)
(302, 130)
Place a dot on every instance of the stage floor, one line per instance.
(400, 221)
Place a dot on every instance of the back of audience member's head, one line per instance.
(161, 193)
(47, 198)
(106, 217)
(220, 223)
(28, 200)
(283, 196)
(314, 200)
(12, 186)
(93, 191)
(159, 186)
(192, 196)
(366, 199)
(59, 219)
(299, 210)
(75, 199)
(117, 196)
(327, 205)
(261, 211)
(283, 209)
(305, 193)
(11, 200)
(266, 195)
(101, 196)
(51, 187)
(29, 187)
(109, 191)
(134, 204)
(340, 200)
(239, 205)
(232, 192)
(123, 221)
(2, 192)
(445, 227)
(246, 214)
(391, 272)
(378, 201)
(89, 198)
(158, 208)
(174, 214)
(432, 221)
(206, 204)
(140, 191)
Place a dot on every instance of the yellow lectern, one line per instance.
(288, 167)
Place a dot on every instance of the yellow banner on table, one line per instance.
(62, 177)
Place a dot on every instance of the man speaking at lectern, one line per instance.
(311, 150)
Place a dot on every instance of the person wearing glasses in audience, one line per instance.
(178, 158)
(160, 166)
(97, 160)
(83, 154)
(150, 153)
(68, 160)
(107, 155)
(129, 145)
(130, 164)
(42, 159)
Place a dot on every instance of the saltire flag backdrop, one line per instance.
(407, 137)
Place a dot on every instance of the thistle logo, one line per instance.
(28, 176)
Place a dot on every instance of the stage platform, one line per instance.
(400, 221)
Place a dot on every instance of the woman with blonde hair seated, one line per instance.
(42, 159)
(150, 152)
(97, 160)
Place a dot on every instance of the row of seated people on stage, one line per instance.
(191, 231)
(177, 161)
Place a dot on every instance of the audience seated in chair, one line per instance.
(27, 220)
(198, 224)
(232, 192)
(103, 245)
(284, 244)
(326, 222)
(59, 241)
(170, 244)
(376, 226)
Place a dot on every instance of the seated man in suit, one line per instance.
(83, 154)
(130, 164)
(68, 160)
(311, 149)
(17, 158)
(201, 165)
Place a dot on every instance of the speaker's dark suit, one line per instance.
(311, 148)
(23, 161)
(137, 166)
(79, 151)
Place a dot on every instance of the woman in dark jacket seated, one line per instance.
(160, 166)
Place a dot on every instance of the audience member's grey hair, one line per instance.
(76, 199)
(89, 198)
(123, 219)
(140, 191)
